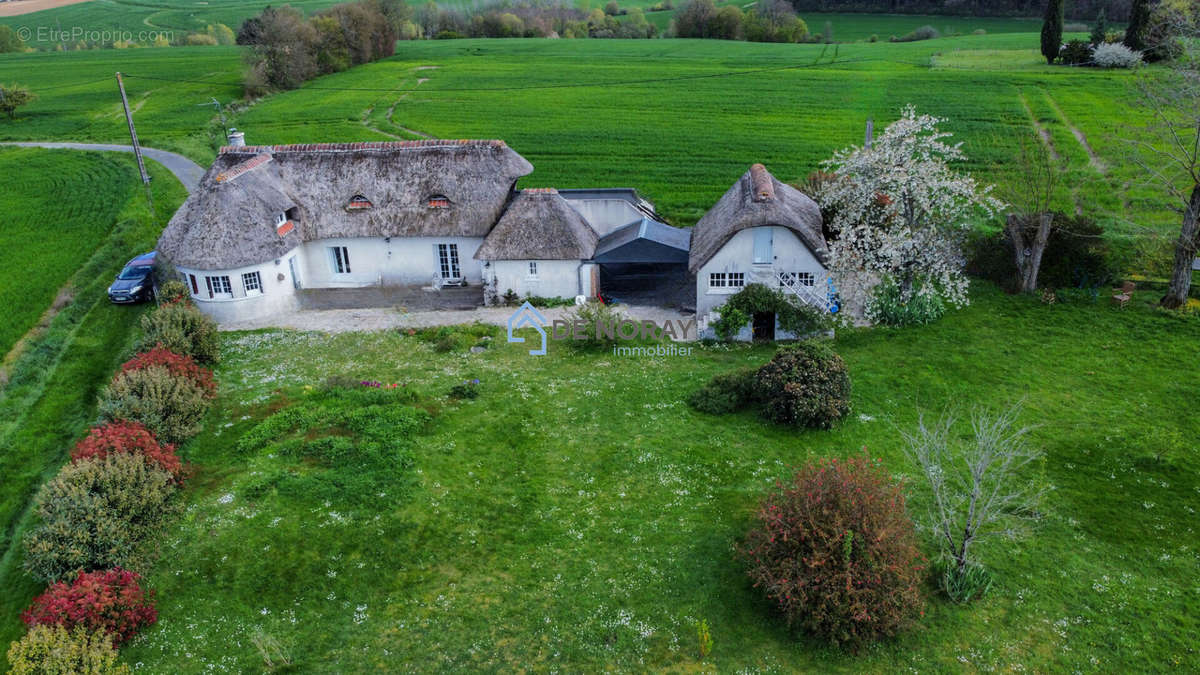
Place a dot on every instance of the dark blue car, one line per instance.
(135, 283)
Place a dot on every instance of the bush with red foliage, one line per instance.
(109, 600)
(836, 552)
(131, 437)
(178, 365)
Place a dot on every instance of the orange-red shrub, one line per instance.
(131, 437)
(109, 600)
(178, 365)
(836, 552)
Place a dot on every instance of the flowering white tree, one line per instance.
(901, 212)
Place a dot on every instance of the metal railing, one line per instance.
(808, 294)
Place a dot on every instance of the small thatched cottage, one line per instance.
(761, 231)
(271, 227)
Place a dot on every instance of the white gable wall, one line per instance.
(789, 254)
(605, 215)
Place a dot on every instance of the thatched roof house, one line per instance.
(442, 188)
(539, 225)
(757, 199)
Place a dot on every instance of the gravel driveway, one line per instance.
(384, 318)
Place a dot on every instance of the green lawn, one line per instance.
(579, 515)
(57, 207)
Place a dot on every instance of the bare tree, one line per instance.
(1168, 149)
(1032, 195)
(977, 485)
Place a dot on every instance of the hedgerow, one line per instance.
(57, 650)
(178, 365)
(183, 329)
(169, 406)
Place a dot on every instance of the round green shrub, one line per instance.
(55, 650)
(836, 552)
(170, 406)
(183, 329)
(1076, 53)
(95, 513)
(805, 385)
(173, 291)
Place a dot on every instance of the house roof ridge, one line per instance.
(365, 145)
(239, 169)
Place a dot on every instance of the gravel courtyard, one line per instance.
(384, 318)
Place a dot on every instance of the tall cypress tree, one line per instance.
(1052, 30)
(1100, 29)
(1139, 18)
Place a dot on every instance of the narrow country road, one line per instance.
(187, 171)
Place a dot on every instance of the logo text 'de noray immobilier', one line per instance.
(616, 330)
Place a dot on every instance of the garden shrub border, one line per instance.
(794, 318)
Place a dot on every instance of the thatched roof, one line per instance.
(539, 225)
(757, 199)
(229, 221)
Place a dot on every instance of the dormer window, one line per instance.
(285, 221)
(280, 219)
(438, 201)
(359, 203)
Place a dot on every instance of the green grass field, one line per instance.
(50, 398)
(580, 516)
(57, 206)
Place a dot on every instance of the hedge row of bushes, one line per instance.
(117, 492)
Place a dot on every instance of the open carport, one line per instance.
(645, 263)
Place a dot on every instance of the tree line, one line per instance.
(1078, 9)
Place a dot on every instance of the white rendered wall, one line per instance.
(278, 294)
(737, 255)
(402, 261)
(606, 215)
(555, 278)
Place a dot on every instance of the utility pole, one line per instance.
(137, 149)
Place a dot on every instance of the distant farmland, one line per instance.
(678, 119)
(180, 16)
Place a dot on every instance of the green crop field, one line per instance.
(579, 516)
(681, 120)
(57, 207)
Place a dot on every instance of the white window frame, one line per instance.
(447, 261)
(533, 271)
(280, 219)
(716, 279)
(252, 283)
(215, 284)
(736, 280)
(806, 279)
(339, 260)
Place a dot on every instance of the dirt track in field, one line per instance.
(19, 7)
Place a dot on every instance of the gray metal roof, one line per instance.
(644, 240)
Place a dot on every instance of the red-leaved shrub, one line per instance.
(837, 553)
(131, 437)
(107, 600)
(178, 365)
